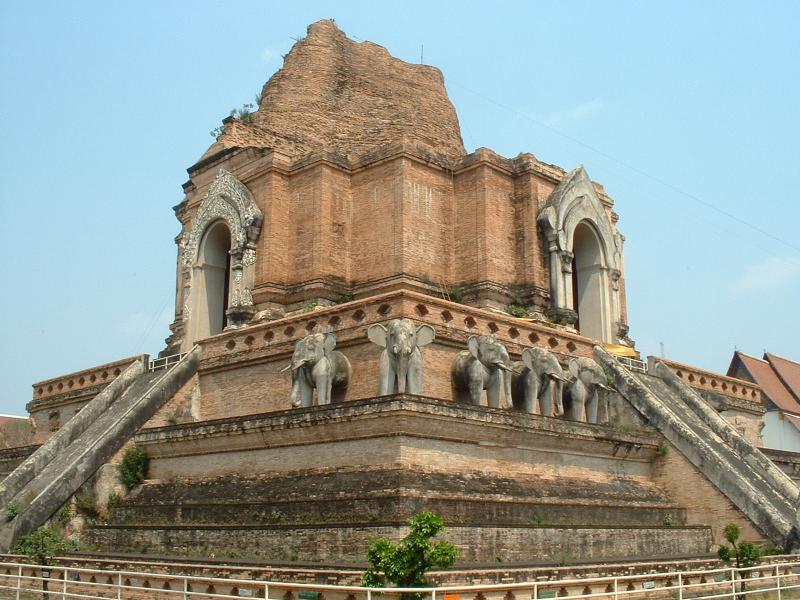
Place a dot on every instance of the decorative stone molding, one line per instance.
(573, 202)
(228, 200)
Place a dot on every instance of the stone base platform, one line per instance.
(317, 483)
(559, 545)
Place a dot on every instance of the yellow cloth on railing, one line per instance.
(619, 350)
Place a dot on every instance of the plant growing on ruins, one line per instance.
(133, 468)
(86, 504)
(746, 554)
(42, 546)
(663, 449)
(669, 520)
(456, 294)
(12, 510)
(310, 305)
(65, 515)
(515, 310)
(406, 563)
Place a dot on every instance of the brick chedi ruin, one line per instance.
(369, 322)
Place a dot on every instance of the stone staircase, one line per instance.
(50, 476)
(736, 468)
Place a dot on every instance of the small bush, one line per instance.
(309, 305)
(405, 564)
(43, 545)
(345, 298)
(12, 510)
(456, 294)
(133, 469)
(669, 520)
(663, 449)
(86, 505)
(515, 310)
(65, 515)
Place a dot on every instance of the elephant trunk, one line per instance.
(294, 397)
(402, 373)
(506, 373)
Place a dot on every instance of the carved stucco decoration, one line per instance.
(227, 200)
(575, 200)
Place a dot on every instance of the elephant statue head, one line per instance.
(401, 360)
(538, 382)
(485, 365)
(315, 364)
(583, 399)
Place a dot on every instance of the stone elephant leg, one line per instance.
(532, 389)
(414, 378)
(323, 380)
(591, 407)
(386, 375)
(476, 374)
(493, 385)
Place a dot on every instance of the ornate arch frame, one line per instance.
(575, 201)
(227, 200)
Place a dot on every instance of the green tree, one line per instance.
(406, 563)
(42, 546)
(746, 554)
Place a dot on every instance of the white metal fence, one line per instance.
(165, 362)
(780, 581)
(633, 364)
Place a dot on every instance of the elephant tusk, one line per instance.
(558, 377)
(286, 368)
(606, 388)
(504, 367)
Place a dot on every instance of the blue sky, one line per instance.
(687, 112)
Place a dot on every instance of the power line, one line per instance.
(634, 169)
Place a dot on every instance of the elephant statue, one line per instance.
(401, 360)
(582, 396)
(315, 364)
(484, 366)
(537, 383)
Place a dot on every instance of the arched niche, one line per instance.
(211, 281)
(227, 216)
(585, 257)
(590, 289)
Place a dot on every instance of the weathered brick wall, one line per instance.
(688, 487)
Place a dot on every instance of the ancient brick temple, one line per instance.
(284, 420)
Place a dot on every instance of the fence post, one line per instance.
(535, 591)
(680, 586)
(19, 581)
(185, 589)
(369, 594)
(266, 591)
(733, 582)
(616, 588)
(433, 594)
(64, 587)
(119, 586)
(778, 580)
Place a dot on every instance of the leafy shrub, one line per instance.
(12, 510)
(405, 564)
(86, 505)
(43, 545)
(515, 310)
(133, 469)
(65, 515)
(746, 554)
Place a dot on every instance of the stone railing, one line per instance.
(101, 375)
(453, 323)
(714, 382)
